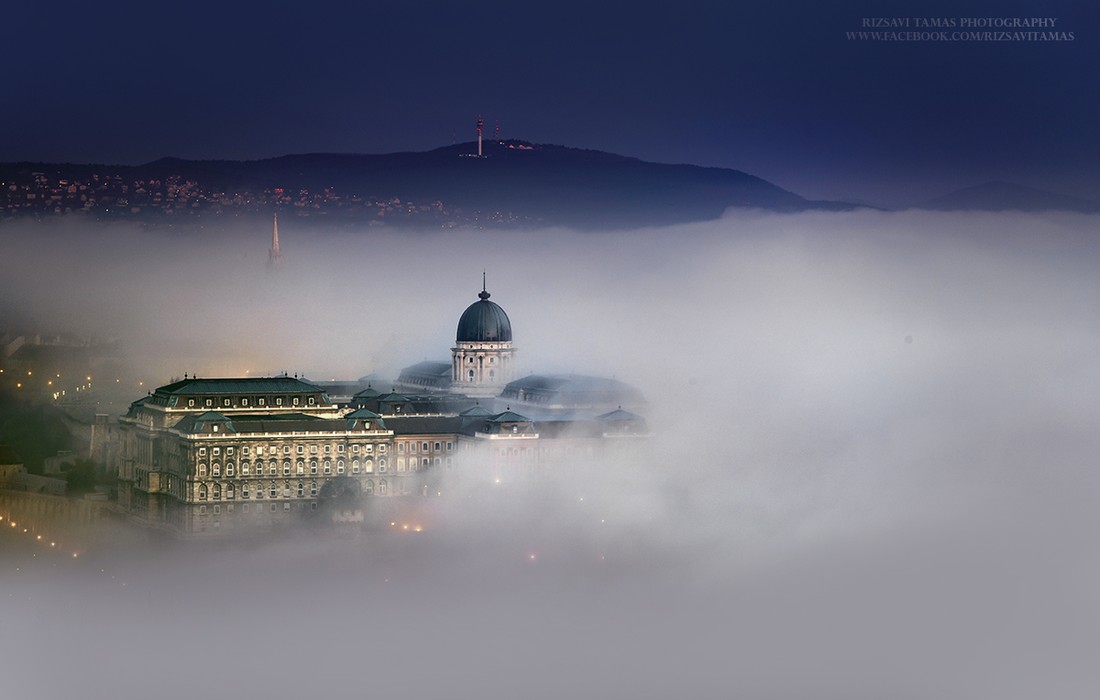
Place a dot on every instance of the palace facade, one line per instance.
(209, 455)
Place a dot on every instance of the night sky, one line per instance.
(774, 89)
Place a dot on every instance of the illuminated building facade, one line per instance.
(201, 456)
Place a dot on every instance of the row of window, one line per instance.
(425, 446)
(245, 401)
(214, 492)
(301, 449)
(259, 508)
(326, 467)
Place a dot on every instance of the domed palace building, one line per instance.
(483, 357)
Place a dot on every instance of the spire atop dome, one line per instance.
(484, 321)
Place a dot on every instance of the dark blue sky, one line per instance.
(775, 89)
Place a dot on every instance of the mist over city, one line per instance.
(550, 350)
(870, 468)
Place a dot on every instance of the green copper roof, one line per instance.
(484, 321)
(238, 385)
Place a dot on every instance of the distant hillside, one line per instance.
(514, 183)
(1006, 196)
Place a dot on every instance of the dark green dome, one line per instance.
(484, 322)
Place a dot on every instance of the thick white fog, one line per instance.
(873, 470)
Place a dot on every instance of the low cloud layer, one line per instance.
(871, 476)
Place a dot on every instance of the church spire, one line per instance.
(275, 256)
(484, 293)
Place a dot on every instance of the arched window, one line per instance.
(381, 464)
(382, 487)
(217, 492)
(470, 374)
(339, 466)
(354, 466)
(229, 492)
(369, 487)
(368, 466)
(301, 489)
(202, 469)
(202, 492)
(299, 467)
(286, 468)
(229, 469)
(216, 469)
(245, 467)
